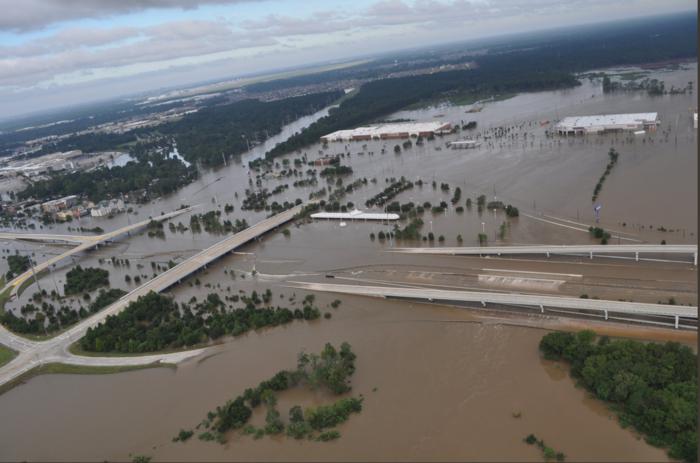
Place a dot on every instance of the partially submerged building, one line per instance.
(583, 125)
(463, 144)
(354, 215)
(390, 131)
(60, 204)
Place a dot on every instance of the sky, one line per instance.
(56, 53)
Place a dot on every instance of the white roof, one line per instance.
(354, 215)
(608, 120)
(377, 130)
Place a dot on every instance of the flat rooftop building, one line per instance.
(389, 131)
(581, 125)
(354, 215)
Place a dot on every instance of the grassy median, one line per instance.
(6, 354)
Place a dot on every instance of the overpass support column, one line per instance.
(541, 308)
(483, 303)
(676, 321)
(547, 254)
(695, 259)
(636, 256)
(606, 314)
(591, 255)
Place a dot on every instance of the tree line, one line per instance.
(156, 322)
(652, 387)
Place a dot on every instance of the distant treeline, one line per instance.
(226, 130)
(382, 97)
(541, 65)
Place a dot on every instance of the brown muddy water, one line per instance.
(446, 387)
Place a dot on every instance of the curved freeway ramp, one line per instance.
(673, 313)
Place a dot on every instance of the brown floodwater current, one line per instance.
(448, 380)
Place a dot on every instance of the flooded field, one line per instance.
(448, 380)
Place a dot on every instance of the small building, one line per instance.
(107, 208)
(327, 161)
(583, 125)
(60, 204)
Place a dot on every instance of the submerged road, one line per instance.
(602, 307)
(32, 354)
(589, 250)
(86, 242)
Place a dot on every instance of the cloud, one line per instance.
(26, 15)
(66, 52)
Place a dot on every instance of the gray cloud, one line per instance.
(63, 52)
(26, 15)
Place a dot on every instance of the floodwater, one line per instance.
(446, 386)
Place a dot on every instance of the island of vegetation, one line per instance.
(652, 387)
(330, 370)
(18, 264)
(84, 280)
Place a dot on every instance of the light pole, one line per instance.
(483, 227)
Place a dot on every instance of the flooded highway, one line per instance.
(448, 380)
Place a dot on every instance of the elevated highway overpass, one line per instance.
(674, 313)
(589, 250)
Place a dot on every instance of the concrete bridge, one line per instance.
(589, 250)
(600, 307)
(32, 354)
(86, 242)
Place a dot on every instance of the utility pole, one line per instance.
(31, 264)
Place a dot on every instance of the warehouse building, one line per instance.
(582, 125)
(390, 131)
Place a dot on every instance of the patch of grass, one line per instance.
(65, 369)
(6, 354)
(75, 349)
(29, 281)
(4, 297)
